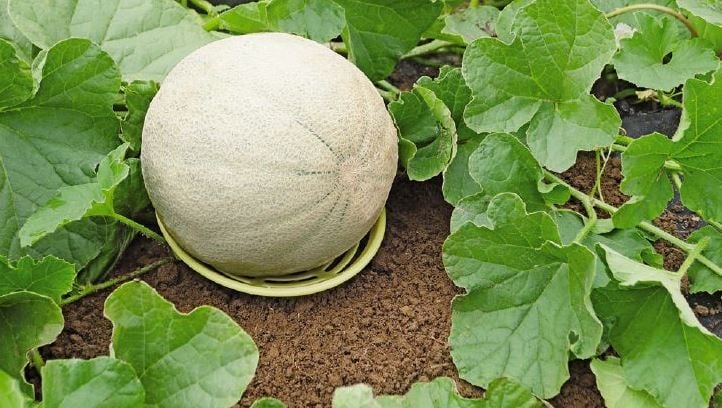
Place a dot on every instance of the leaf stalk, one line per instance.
(89, 290)
(644, 225)
(693, 255)
(140, 228)
(656, 7)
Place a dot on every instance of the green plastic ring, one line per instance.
(325, 277)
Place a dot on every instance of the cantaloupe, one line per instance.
(267, 154)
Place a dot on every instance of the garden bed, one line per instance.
(388, 327)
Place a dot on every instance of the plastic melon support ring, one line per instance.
(336, 272)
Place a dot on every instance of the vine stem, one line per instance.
(205, 6)
(428, 48)
(656, 7)
(212, 23)
(140, 228)
(89, 290)
(644, 225)
(37, 360)
(693, 255)
(388, 86)
(387, 95)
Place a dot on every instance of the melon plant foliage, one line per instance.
(543, 284)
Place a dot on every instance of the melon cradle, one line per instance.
(267, 154)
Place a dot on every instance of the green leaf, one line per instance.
(506, 19)
(502, 164)
(645, 180)
(246, 18)
(216, 357)
(376, 44)
(138, 95)
(131, 197)
(543, 78)
(708, 32)
(11, 395)
(614, 387)
(451, 88)
(693, 150)
(439, 393)
(528, 301)
(472, 23)
(701, 278)
(691, 366)
(458, 183)
(59, 137)
(16, 83)
(318, 20)
(100, 382)
(355, 396)
(642, 59)
(9, 32)
(472, 209)
(710, 10)
(267, 402)
(427, 133)
(631, 18)
(73, 203)
(50, 276)
(146, 38)
(29, 320)
(628, 242)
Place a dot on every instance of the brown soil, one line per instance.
(388, 327)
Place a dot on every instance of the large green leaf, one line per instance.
(648, 313)
(73, 203)
(319, 20)
(451, 88)
(28, 320)
(471, 23)
(631, 18)
(527, 305)
(710, 10)
(379, 32)
(56, 139)
(502, 164)
(614, 387)
(701, 278)
(198, 359)
(11, 395)
(146, 38)
(246, 18)
(138, 95)
(643, 58)
(266, 402)
(628, 242)
(709, 32)
(543, 78)
(439, 393)
(458, 182)
(695, 150)
(645, 180)
(12, 34)
(101, 382)
(427, 133)
(50, 276)
(16, 83)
